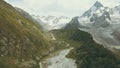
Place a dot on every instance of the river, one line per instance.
(60, 61)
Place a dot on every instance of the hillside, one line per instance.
(21, 39)
(86, 52)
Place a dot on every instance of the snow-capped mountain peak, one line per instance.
(101, 22)
(93, 9)
(100, 14)
(52, 22)
(98, 4)
(95, 15)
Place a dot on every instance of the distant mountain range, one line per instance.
(97, 16)
(52, 22)
(101, 22)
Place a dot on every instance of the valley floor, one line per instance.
(59, 61)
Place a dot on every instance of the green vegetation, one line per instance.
(91, 55)
(21, 39)
(86, 52)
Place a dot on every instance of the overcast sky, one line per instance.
(59, 7)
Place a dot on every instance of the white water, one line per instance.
(60, 61)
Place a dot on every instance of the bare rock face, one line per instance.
(101, 21)
(73, 24)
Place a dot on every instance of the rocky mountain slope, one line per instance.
(96, 16)
(73, 24)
